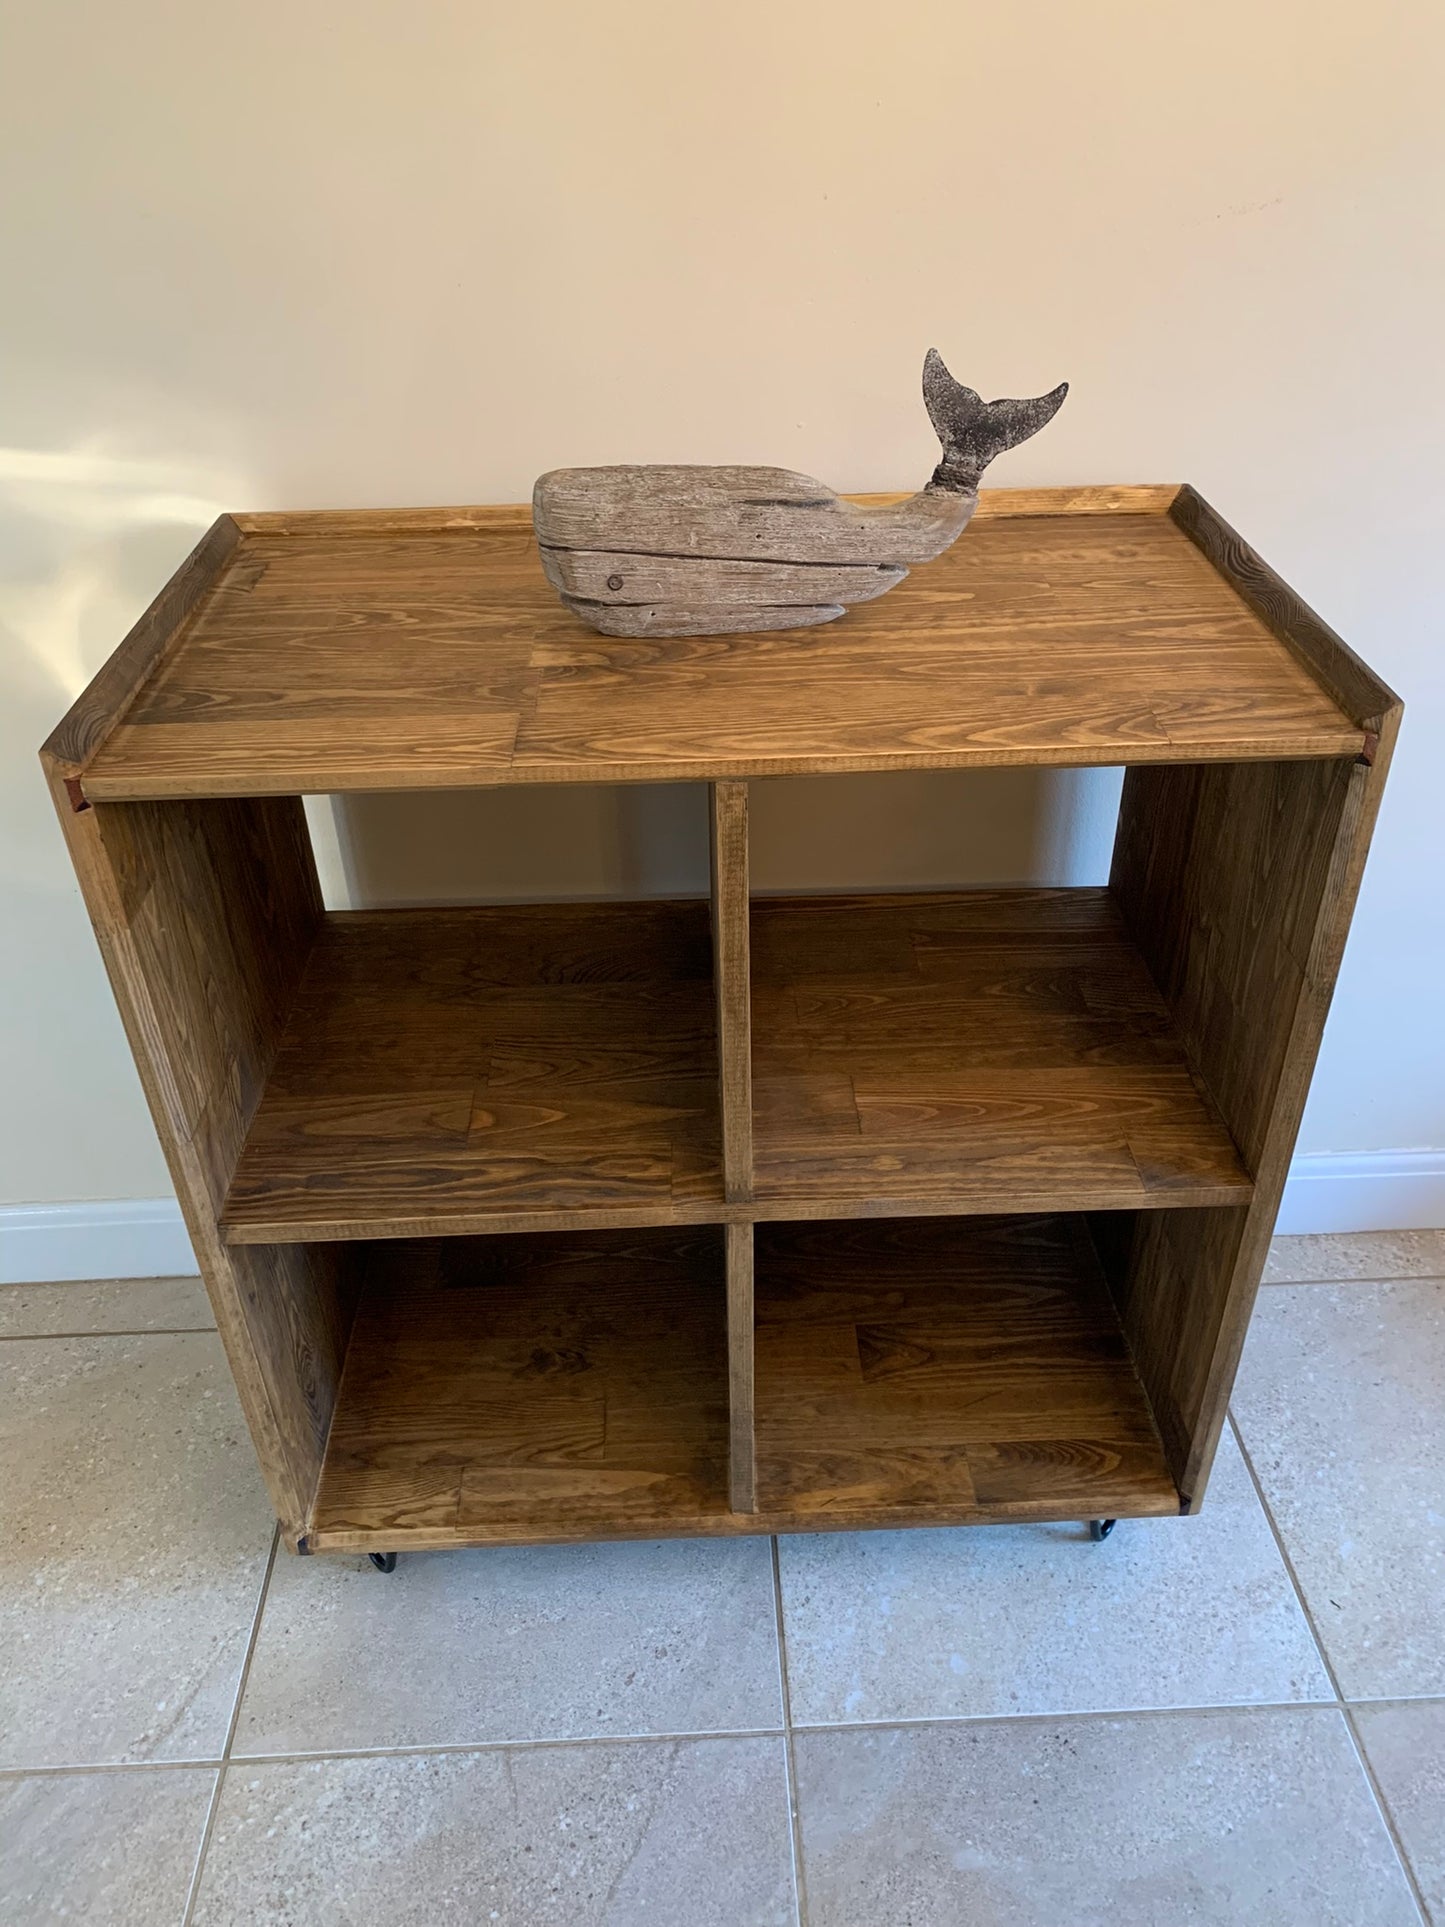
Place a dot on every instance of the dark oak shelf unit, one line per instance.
(580, 1221)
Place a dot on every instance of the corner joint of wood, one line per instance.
(78, 799)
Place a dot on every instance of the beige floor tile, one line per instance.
(1035, 1619)
(690, 1833)
(1405, 1744)
(105, 1305)
(1339, 1404)
(543, 1642)
(1241, 1819)
(133, 1537)
(114, 1847)
(1356, 1254)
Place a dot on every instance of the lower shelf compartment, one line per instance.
(918, 1369)
(572, 1386)
(519, 1389)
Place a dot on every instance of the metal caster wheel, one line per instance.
(386, 1561)
(1099, 1528)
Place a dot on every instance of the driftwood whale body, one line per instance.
(656, 551)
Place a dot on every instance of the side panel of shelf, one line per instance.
(1237, 882)
(205, 913)
(728, 842)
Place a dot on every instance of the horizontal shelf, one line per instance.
(566, 1386)
(388, 650)
(555, 1066)
(489, 1069)
(992, 1051)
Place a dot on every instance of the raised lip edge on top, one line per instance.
(72, 746)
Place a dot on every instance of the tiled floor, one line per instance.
(1238, 1718)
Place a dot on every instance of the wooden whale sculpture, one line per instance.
(657, 551)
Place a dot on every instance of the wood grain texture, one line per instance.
(1355, 687)
(1247, 953)
(742, 1460)
(603, 576)
(740, 514)
(701, 618)
(454, 1070)
(1108, 498)
(727, 546)
(98, 708)
(929, 1364)
(980, 1051)
(732, 981)
(204, 913)
(431, 652)
(521, 1389)
(563, 1387)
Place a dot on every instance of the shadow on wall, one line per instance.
(911, 831)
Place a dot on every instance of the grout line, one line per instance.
(1347, 1284)
(107, 1766)
(425, 1749)
(1342, 1705)
(140, 1331)
(1405, 1278)
(790, 1764)
(1070, 1717)
(231, 1726)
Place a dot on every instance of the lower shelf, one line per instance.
(566, 1386)
(933, 1368)
(543, 1386)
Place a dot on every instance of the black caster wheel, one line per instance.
(1101, 1528)
(386, 1561)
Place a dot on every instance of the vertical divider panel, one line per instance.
(742, 1453)
(729, 848)
(728, 839)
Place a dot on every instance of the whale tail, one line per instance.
(973, 431)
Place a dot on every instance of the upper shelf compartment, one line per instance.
(512, 1069)
(997, 1050)
(407, 650)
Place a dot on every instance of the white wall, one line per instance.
(306, 253)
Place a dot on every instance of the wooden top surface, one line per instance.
(417, 649)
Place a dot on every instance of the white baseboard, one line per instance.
(144, 1237)
(1364, 1191)
(113, 1238)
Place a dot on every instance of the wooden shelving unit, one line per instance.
(575, 1221)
